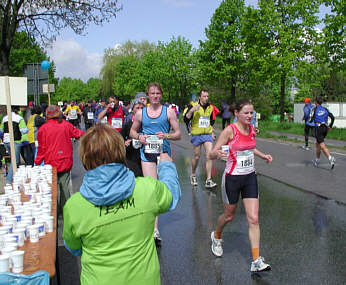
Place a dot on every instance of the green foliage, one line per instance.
(75, 89)
(298, 129)
(221, 56)
(24, 50)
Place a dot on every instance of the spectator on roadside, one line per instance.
(308, 112)
(19, 129)
(55, 148)
(226, 114)
(110, 221)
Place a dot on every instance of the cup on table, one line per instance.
(19, 233)
(33, 233)
(8, 226)
(17, 258)
(41, 229)
(4, 263)
(8, 251)
(22, 227)
(49, 220)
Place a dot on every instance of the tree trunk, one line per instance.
(282, 96)
(4, 62)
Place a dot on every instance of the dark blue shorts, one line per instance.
(234, 185)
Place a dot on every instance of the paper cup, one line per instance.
(8, 251)
(17, 258)
(19, 233)
(49, 223)
(4, 263)
(225, 148)
(33, 233)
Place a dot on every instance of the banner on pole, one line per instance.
(18, 91)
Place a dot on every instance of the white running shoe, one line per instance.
(193, 180)
(210, 183)
(315, 162)
(259, 265)
(216, 245)
(305, 147)
(332, 162)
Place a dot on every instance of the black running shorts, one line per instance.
(234, 185)
(320, 133)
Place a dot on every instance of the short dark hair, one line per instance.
(319, 100)
(202, 90)
(37, 110)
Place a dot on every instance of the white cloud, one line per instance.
(180, 3)
(73, 60)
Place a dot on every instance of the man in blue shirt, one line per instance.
(320, 119)
(308, 111)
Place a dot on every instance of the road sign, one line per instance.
(48, 88)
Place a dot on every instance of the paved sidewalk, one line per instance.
(329, 142)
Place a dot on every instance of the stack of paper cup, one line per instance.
(4, 263)
(17, 258)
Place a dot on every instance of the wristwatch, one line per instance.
(168, 136)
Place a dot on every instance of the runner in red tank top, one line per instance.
(237, 144)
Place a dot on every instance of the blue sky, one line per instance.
(153, 20)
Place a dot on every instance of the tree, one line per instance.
(113, 56)
(178, 65)
(289, 28)
(24, 50)
(45, 19)
(221, 55)
(334, 34)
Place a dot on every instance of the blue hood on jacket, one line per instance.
(108, 184)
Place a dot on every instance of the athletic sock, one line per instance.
(255, 253)
(330, 157)
(217, 235)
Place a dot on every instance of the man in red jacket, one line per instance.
(55, 148)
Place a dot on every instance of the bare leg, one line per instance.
(318, 150)
(251, 206)
(195, 159)
(208, 162)
(226, 217)
(324, 149)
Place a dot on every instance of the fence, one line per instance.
(337, 109)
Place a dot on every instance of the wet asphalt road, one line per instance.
(302, 234)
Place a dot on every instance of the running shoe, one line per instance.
(259, 265)
(332, 162)
(157, 237)
(315, 162)
(305, 147)
(216, 245)
(193, 180)
(210, 183)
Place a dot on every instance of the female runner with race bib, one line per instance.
(240, 178)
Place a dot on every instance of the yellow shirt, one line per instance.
(72, 111)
